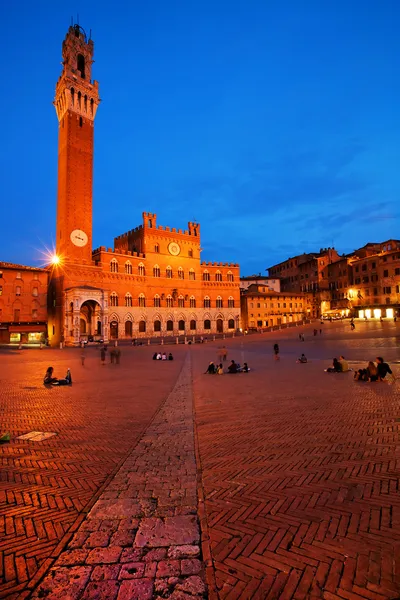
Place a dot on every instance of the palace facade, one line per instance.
(153, 282)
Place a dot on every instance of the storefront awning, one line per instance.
(27, 328)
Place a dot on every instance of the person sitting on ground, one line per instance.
(361, 375)
(232, 367)
(302, 359)
(371, 372)
(336, 367)
(246, 368)
(164, 356)
(170, 357)
(211, 369)
(220, 369)
(159, 356)
(66, 381)
(344, 364)
(48, 378)
(383, 368)
(155, 356)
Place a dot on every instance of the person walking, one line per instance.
(276, 352)
(103, 356)
(83, 357)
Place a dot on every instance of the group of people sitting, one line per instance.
(374, 372)
(339, 366)
(49, 378)
(302, 359)
(163, 356)
(234, 367)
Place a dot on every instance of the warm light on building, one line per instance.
(55, 260)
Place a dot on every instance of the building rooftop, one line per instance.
(8, 265)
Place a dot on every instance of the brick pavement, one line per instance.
(46, 488)
(141, 538)
(300, 475)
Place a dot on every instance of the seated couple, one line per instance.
(374, 372)
(339, 366)
(233, 368)
(50, 380)
(163, 356)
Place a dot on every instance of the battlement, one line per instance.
(104, 250)
(215, 264)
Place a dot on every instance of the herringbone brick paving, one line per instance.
(46, 487)
(300, 473)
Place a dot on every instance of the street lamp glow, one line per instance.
(55, 259)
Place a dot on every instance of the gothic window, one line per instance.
(206, 275)
(142, 326)
(218, 276)
(142, 300)
(181, 274)
(113, 299)
(128, 267)
(219, 303)
(18, 290)
(91, 106)
(142, 270)
(192, 275)
(193, 325)
(157, 301)
(170, 325)
(35, 291)
(190, 253)
(207, 324)
(168, 272)
(181, 302)
(181, 325)
(128, 328)
(230, 276)
(169, 302)
(157, 248)
(114, 266)
(231, 302)
(81, 65)
(207, 302)
(157, 325)
(231, 324)
(192, 302)
(156, 271)
(128, 299)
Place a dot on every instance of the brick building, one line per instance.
(23, 304)
(262, 307)
(272, 284)
(153, 282)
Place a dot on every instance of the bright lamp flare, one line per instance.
(55, 260)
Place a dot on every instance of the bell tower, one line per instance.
(76, 102)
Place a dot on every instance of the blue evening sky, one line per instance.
(275, 124)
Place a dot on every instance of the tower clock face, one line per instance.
(79, 238)
(174, 249)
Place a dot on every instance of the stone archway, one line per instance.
(85, 314)
(220, 325)
(90, 318)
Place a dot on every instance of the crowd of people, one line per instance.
(234, 367)
(162, 356)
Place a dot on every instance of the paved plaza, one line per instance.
(163, 482)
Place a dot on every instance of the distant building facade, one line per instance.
(23, 304)
(153, 282)
(272, 284)
(262, 308)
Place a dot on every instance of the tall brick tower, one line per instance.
(76, 102)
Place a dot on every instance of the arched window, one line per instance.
(128, 328)
(231, 324)
(80, 59)
(113, 299)
(218, 276)
(181, 302)
(231, 302)
(157, 248)
(157, 325)
(181, 325)
(192, 302)
(206, 275)
(142, 326)
(207, 302)
(219, 303)
(128, 299)
(156, 271)
(192, 274)
(181, 274)
(157, 301)
(142, 300)
(168, 272)
(193, 325)
(114, 266)
(229, 276)
(170, 302)
(170, 325)
(128, 268)
(142, 270)
(72, 97)
(207, 324)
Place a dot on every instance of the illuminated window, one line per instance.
(157, 248)
(128, 268)
(181, 274)
(170, 301)
(157, 301)
(192, 275)
(142, 300)
(230, 276)
(207, 302)
(181, 302)
(18, 276)
(206, 275)
(156, 271)
(113, 299)
(219, 303)
(231, 302)
(192, 302)
(18, 290)
(168, 272)
(114, 266)
(142, 270)
(218, 276)
(35, 291)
